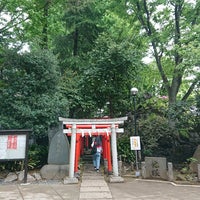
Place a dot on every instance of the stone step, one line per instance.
(93, 185)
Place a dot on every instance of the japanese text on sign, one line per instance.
(12, 142)
(135, 143)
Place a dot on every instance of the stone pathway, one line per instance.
(93, 185)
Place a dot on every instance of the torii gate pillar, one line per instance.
(115, 177)
(71, 178)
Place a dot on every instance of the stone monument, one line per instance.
(156, 167)
(58, 156)
(59, 147)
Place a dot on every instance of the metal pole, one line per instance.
(135, 131)
(135, 115)
(136, 160)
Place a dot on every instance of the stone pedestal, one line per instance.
(58, 155)
(69, 180)
(116, 179)
(51, 172)
(156, 167)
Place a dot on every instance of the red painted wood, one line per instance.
(82, 142)
(77, 155)
(109, 155)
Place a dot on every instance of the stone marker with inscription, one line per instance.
(156, 167)
(59, 148)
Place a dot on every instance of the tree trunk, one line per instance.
(45, 25)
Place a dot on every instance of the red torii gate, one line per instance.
(100, 129)
(80, 128)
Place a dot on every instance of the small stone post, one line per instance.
(120, 167)
(170, 171)
(143, 167)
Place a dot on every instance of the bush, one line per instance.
(157, 137)
(124, 149)
(11, 166)
(37, 156)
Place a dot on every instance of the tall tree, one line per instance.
(12, 16)
(45, 22)
(33, 22)
(171, 27)
(83, 25)
(114, 62)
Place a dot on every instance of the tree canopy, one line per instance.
(171, 29)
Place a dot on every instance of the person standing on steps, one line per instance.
(96, 152)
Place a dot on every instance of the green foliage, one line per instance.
(112, 66)
(30, 97)
(185, 119)
(82, 22)
(187, 165)
(156, 135)
(161, 23)
(124, 149)
(11, 166)
(37, 156)
(192, 160)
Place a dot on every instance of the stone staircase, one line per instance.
(93, 184)
(87, 158)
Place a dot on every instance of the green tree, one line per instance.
(44, 22)
(35, 23)
(82, 25)
(111, 66)
(30, 95)
(111, 72)
(172, 29)
(12, 16)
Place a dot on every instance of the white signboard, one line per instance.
(135, 143)
(12, 146)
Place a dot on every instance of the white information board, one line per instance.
(135, 143)
(12, 146)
